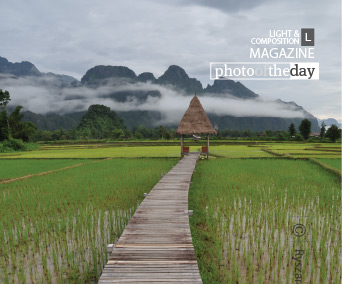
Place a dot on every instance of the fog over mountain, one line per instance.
(229, 104)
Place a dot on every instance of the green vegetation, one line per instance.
(237, 151)
(243, 221)
(21, 130)
(56, 227)
(292, 130)
(305, 128)
(139, 149)
(101, 152)
(100, 122)
(18, 168)
(12, 130)
(335, 163)
(12, 145)
(322, 130)
(306, 150)
(333, 133)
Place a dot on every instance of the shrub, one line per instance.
(15, 144)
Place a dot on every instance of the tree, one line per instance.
(99, 122)
(292, 130)
(305, 128)
(164, 133)
(333, 133)
(4, 100)
(4, 131)
(45, 135)
(21, 130)
(118, 134)
(322, 132)
(138, 135)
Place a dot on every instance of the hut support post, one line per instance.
(182, 144)
(208, 147)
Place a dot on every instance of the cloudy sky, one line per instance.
(69, 37)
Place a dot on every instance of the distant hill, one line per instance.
(99, 121)
(53, 121)
(329, 122)
(115, 78)
(25, 69)
(174, 76)
(177, 76)
(148, 118)
(99, 74)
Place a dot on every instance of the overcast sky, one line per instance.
(71, 36)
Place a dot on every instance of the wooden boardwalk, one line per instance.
(156, 245)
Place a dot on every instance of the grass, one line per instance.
(239, 151)
(108, 151)
(81, 151)
(243, 221)
(160, 149)
(55, 228)
(18, 168)
(307, 150)
(335, 163)
(100, 152)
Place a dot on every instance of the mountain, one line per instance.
(23, 68)
(176, 76)
(225, 87)
(329, 122)
(120, 87)
(102, 73)
(27, 69)
(53, 121)
(146, 76)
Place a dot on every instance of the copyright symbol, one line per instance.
(299, 230)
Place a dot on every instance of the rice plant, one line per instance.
(55, 228)
(245, 213)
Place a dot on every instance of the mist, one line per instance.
(44, 95)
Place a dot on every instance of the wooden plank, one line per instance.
(156, 245)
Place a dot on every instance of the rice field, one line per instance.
(100, 152)
(238, 151)
(18, 168)
(335, 163)
(55, 228)
(306, 150)
(245, 215)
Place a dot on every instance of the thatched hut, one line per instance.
(194, 122)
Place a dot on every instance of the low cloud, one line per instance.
(43, 96)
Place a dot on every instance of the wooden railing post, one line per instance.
(182, 145)
(208, 147)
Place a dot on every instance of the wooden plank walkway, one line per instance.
(156, 245)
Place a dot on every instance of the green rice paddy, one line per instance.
(100, 152)
(244, 215)
(54, 228)
(306, 150)
(238, 151)
(335, 163)
(18, 168)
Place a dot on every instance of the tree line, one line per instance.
(13, 131)
(100, 122)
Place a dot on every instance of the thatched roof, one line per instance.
(195, 120)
